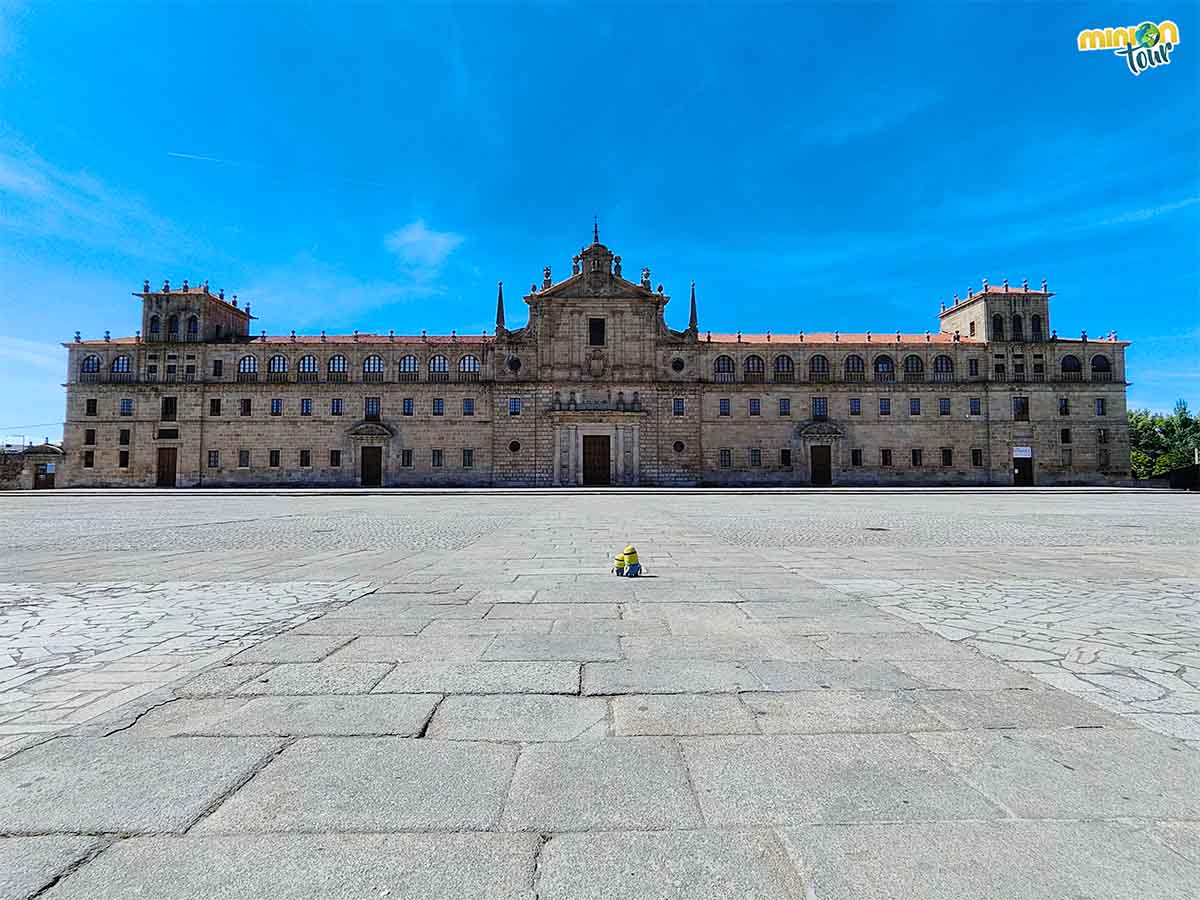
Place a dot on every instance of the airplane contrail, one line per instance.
(235, 162)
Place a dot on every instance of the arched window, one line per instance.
(755, 369)
(373, 368)
(997, 327)
(439, 368)
(1018, 332)
(943, 368)
(1101, 368)
(155, 326)
(818, 368)
(193, 327)
(885, 368)
(248, 368)
(855, 370)
(173, 327)
(785, 369)
(914, 368)
(1035, 327)
(723, 369)
(277, 368)
(410, 368)
(308, 369)
(89, 368)
(1072, 368)
(468, 368)
(338, 369)
(121, 365)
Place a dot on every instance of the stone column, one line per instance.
(557, 454)
(578, 473)
(637, 462)
(620, 451)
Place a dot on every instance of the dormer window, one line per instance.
(596, 332)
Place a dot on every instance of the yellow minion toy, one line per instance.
(619, 563)
(632, 567)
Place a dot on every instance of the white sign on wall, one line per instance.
(1022, 453)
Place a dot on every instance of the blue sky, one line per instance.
(379, 167)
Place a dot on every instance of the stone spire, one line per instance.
(595, 230)
(499, 307)
(693, 324)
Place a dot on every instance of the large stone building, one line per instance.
(595, 389)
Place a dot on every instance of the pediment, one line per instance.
(370, 429)
(819, 430)
(595, 284)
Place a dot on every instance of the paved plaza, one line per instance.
(955, 695)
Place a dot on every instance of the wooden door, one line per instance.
(372, 466)
(167, 458)
(822, 466)
(1023, 472)
(43, 476)
(596, 461)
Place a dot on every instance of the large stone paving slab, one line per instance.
(647, 676)
(991, 860)
(310, 867)
(28, 864)
(123, 784)
(373, 784)
(519, 717)
(497, 677)
(317, 678)
(681, 865)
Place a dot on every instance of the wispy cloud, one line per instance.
(32, 353)
(271, 170)
(421, 248)
(1151, 212)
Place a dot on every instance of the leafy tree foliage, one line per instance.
(1159, 443)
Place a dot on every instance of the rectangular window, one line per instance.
(189, 372)
(726, 459)
(152, 373)
(214, 406)
(306, 459)
(371, 408)
(820, 408)
(914, 406)
(127, 406)
(1064, 406)
(336, 406)
(677, 406)
(973, 368)
(439, 406)
(168, 409)
(977, 457)
(785, 406)
(943, 406)
(335, 459)
(171, 370)
(755, 406)
(306, 407)
(885, 457)
(124, 434)
(514, 406)
(406, 459)
(273, 459)
(755, 456)
(218, 368)
(885, 406)
(1103, 458)
(1066, 456)
(276, 407)
(855, 406)
(976, 406)
(468, 406)
(1101, 406)
(947, 457)
(214, 459)
(407, 406)
(1020, 407)
(123, 459)
(785, 457)
(856, 457)
(435, 458)
(1000, 371)
(1064, 435)
(918, 458)
(971, 331)
(1102, 436)
(243, 459)
(723, 406)
(468, 458)
(89, 436)
(244, 406)
(89, 459)
(596, 332)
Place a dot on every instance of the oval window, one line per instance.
(679, 446)
(514, 446)
(677, 364)
(514, 364)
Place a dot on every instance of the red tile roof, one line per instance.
(878, 338)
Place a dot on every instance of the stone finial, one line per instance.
(956, 299)
(391, 334)
(970, 293)
(739, 336)
(660, 287)
(1082, 336)
(547, 281)
(453, 334)
(185, 285)
(837, 336)
(927, 335)
(1114, 335)
(1025, 284)
(1006, 285)
(708, 336)
(532, 287)
(107, 337)
(1054, 334)
(235, 301)
(768, 336)
(293, 335)
(868, 337)
(424, 336)
(146, 286)
(221, 293)
(646, 277)
(247, 309)
(137, 336)
(264, 337)
(322, 335)
(575, 264)
(897, 335)
(166, 285)
(78, 339)
(943, 306)
(206, 285)
(617, 266)
(1044, 290)
(985, 285)
(356, 335)
(693, 322)
(802, 335)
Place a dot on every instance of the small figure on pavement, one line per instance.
(619, 563)
(632, 567)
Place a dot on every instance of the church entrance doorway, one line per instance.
(596, 460)
(372, 467)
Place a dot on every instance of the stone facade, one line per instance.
(29, 468)
(596, 388)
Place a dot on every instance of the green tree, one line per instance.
(1159, 443)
